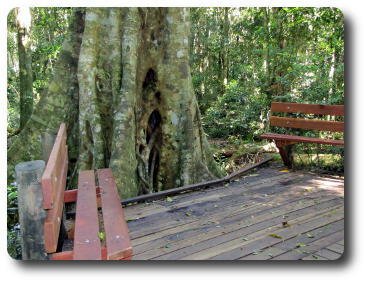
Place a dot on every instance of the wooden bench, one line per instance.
(88, 197)
(284, 142)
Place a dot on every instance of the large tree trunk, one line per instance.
(23, 23)
(123, 86)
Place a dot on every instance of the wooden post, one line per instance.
(47, 141)
(31, 212)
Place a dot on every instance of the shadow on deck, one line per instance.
(264, 215)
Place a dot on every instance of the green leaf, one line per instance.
(255, 252)
(188, 214)
(300, 245)
(309, 235)
(275, 236)
(101, 235)
(168, 199)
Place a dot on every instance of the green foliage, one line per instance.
(319, 157)
(12, 196)
(13, 233)
(234, 113)
(47, 34)
(13, 243)
(272, 54)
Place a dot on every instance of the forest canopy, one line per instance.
(241, 60)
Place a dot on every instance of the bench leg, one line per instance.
(63, 235)
(285, 151)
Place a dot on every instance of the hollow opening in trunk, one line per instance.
(153, 126)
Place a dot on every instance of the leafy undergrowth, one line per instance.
(234, 153)
(13, 233)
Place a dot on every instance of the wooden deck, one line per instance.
(264, 215)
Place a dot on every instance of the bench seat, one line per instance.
(301, 139)
(86, 239)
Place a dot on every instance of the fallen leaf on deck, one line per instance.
(300, 245)
(315, 256)
(254, 175)
(285, 224)
(168, 199)
(275, 236)
(188, 214)
(284, 171)
(309, 235)
(245, 239)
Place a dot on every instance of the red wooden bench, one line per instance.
(88, 197)
(283, 142)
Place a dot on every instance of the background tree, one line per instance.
(23, 24)
(44, 38)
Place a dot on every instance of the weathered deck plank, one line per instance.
(209, 225)
(234, 221)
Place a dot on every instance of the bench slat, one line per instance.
(334, 110)
(68, 255)
(320, 125)
(300, 139)
(54, 215)
(87, 245)
(117, 234)
(53, 172)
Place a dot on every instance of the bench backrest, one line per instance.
(53, 183)
(309, 124)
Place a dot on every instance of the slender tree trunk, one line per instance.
(23, 22)
(224, 58)
(124, 78)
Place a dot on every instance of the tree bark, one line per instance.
(124, 78)
(23, 23)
